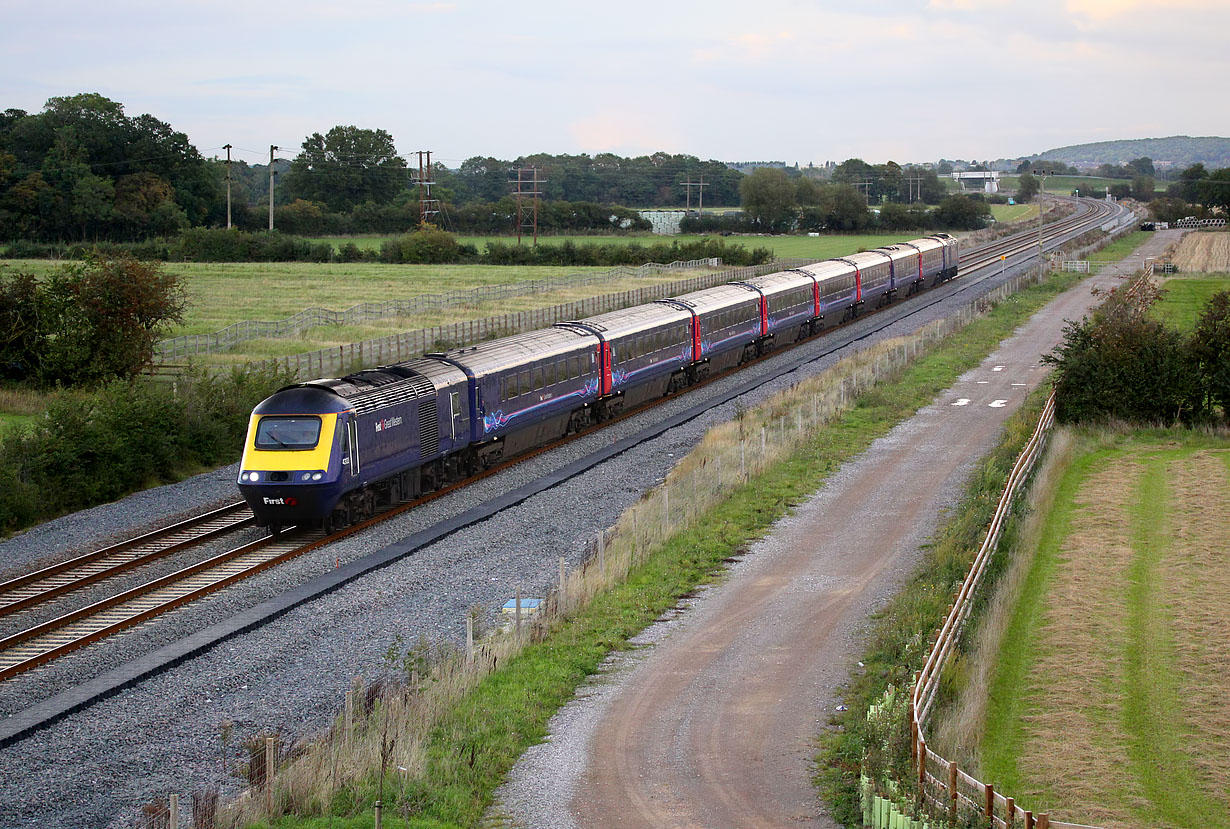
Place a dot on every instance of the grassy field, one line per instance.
(468, 750)
(1066, 184)
(1009, 213)
(1121, 247)
(821, 247)
(1108, 702)
(1185, 298)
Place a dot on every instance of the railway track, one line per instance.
(42, 643)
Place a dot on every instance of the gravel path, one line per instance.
(99, 766)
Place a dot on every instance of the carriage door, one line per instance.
(352, 444)
(454, 410)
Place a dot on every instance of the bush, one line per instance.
(125, 435)
(87, 322)
(1123, 364)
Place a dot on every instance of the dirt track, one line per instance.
(714, 727)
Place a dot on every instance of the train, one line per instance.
(333, 451)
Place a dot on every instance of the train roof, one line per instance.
(714, 299)
(828, 269)
(517, 350)
(631, 320)
(772, 283)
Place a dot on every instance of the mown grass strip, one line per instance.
(1184, 299)
(474, 746)
(1138, 710)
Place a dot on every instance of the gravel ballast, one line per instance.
(97, 767)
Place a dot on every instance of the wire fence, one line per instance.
(190, 345)
(404, 346)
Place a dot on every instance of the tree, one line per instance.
(962, 213)
(1142, 166)
(1026, 188)
(1211, 350)
(768, 197)
(348, 166)
(1143, 188)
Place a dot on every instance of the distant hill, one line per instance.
(1177, 150)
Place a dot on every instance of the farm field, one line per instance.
(1203, 251)
(1185, 298)
(1009, 213)
(1108, 703)
(1066, 184)
(821, 247)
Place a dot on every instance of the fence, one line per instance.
(365, 312)
(404, 346)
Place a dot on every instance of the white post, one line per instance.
(469, 637)
(173, 820)
(563, 572)
(518, 617)
(601, 551)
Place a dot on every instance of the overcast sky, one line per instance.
(907, 80)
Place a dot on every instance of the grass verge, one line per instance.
(1105, 705)
(472, 743)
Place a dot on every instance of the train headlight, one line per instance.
(306, 476)
(252, 476)
(316, 476)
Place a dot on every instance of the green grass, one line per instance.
(1185, 297)
(1014, 212)
(1066, 184)
(220, 294)
(509, 710)
(1150, 722)
(1122, 247)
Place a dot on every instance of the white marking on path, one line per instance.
(964, 401)
(1020, 384)
(983, 382)
(998, 404)
(998, 368)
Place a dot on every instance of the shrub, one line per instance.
(94, 447)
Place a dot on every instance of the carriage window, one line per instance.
(523, 382)
(537, 377)
(574, 366)
(287, 432)
(549, 374)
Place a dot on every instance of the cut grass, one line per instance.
(1089, 707)
(1184, 298)
(1121, 247)
(1009, 213)
(473, 746)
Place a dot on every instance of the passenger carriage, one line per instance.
(527, 389)
(645, 353)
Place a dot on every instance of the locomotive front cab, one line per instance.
(292, 472)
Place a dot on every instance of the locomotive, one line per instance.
(332, 451)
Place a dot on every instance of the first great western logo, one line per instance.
(387, 423)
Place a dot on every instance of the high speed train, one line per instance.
(332, 451)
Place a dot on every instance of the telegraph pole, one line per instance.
(521, 183)
(228, 186)
(700, 186)
(428, 207)
(272, 150)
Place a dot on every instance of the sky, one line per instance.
(902, 80)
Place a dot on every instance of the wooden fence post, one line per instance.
(1044, 821)
(269, 771)
(989, 791)
(1010, 812)
(1029, 819)
(952, 791)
